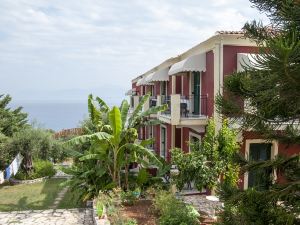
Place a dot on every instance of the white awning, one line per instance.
(130, 92)
(160, 75)
(195, 63)
(143, 81)
(245, 60)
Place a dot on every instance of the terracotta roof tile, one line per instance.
(230, 32)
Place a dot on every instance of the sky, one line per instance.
(62, 50)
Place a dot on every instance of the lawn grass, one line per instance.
(70, 201)
(29, 196)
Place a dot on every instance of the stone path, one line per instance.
(59, 197)
(48, 217)
(61, 174)
(203, 205)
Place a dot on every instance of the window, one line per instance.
(194, 138)
(260, 150)
(260, 178)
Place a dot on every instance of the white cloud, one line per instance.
(73, 43)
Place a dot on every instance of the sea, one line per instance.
(55, 116)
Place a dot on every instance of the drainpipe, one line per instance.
(221, 66)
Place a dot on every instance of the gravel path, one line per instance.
(48, 217)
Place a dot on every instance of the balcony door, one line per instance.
(152, 90)
(150, 135)
(260, 178)
(178, 137)
(163, 88)
(163, 142)
(196, 93)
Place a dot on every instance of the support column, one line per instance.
(175, 109)
(146, 105)
(158, 103)
(173, 85)
(136, 100)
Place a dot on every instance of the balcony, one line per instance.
(185, 110)
(134, 101)
(193, 106)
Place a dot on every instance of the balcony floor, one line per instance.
(190, 120)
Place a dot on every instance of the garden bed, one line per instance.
(141, 211)
(112, 208)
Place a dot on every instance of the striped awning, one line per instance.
(143, 81)
(195, 63)
(245, 60)
(160, 75)
(130, 92)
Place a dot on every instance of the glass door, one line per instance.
(152, 90)
(163, 88)
(163, 149)
(260, 178)
(196, 92)
(150, 132)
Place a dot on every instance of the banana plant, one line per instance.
(140, 118)
(115, 144)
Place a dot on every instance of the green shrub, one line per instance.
(111, 205)
(33, 143)
(253, 207)
(173, 211)
(99, 209)
(128, 197)
(22, 175)
(130, 222)
(41, 168)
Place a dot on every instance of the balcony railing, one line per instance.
(193, 106)
(153, 101)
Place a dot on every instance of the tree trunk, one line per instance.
(126, 173)
(27, 163)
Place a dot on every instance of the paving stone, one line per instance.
(49, 217)
(203, 205)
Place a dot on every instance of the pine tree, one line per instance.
(271, 89)
(11, 120)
